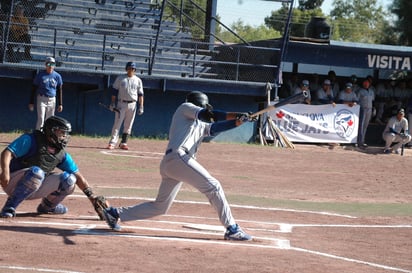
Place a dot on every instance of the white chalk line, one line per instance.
(133, 154)
(23, 268)
(87, 229)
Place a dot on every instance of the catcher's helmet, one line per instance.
(198, 98)
(57, 131)
(130, 65)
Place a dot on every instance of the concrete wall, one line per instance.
(81, 108)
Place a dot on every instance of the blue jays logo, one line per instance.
(344, 123)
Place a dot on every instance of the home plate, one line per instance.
(205, 227)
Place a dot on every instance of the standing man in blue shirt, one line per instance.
(28, 170)
(48, 85)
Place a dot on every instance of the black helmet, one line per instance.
(131, 64)
(57, 131)
(198, 98)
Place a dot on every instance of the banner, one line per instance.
(316, 123)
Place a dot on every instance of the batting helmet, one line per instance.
(130, 65)
(198, 98)
(57, 131)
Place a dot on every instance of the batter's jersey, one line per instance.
(22, 146)
(129, 88)
(186, 130)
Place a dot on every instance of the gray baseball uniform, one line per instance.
(179, 165)
(129, 89)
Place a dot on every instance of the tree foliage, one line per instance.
(300, 17)
(357, 21)
(403, 11)
(248, 33)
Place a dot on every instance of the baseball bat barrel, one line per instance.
(291, 99)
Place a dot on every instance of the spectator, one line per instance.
(289, 87)
(48, 84)
(334, 85)
(19, 32)
(314, 86)
(355, 86)
(384, 93)
(366, 97)
(324, 95)
(304, 86)
(347, 96)
(128, 89)
(396, 130)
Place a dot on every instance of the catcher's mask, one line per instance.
(57, 131)
(200, 99)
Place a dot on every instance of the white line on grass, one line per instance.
(11, 267)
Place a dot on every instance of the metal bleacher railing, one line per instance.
(102, 35)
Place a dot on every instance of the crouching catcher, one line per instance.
(28, 171)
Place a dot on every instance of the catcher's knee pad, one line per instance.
(67, 182)
(33, 178)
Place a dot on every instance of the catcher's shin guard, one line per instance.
(30, 182)
(66, 187)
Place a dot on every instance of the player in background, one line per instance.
(48, 85)
(192, 121)
(128, 92)
(396, 130)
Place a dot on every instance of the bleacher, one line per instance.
(101, 36)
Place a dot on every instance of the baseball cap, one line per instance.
(305, 82)
(50, 61)
(349, 85)
(327, 82)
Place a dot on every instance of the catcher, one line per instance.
(27, 171)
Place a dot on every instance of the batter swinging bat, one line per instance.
(288, 100)
(108, 108)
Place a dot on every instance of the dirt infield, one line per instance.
(311, 209)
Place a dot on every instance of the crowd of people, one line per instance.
(379, 100)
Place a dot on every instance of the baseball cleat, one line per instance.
(110, 147)
(59, 209)
(111, 216)
(8, 212)
(387, 151)
(123, 146)
(235, 233)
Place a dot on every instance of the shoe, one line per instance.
(59, 209)
(110, 147)
(123, 146)
(237, 234)
(397, 151)
(111, 216)
(387, 151)
(8, 212)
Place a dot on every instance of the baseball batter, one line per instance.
(128, 89)
(192, 121)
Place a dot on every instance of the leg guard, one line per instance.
(66, 187)
(30, 182)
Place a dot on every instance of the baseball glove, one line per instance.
(99, 203)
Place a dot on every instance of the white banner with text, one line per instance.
(316, 123)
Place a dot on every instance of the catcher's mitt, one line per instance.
(99, 203)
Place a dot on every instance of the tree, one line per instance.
(402, 9)
(248, 33)
(300, 17)
(358, 21)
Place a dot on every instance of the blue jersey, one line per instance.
(47, 83)
(26, 144)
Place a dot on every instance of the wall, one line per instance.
(81, 108)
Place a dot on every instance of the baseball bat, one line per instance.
(288, 100)
(108, 108)
(402, 149)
